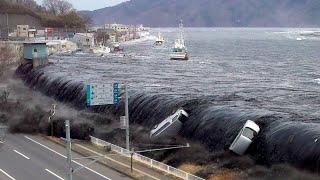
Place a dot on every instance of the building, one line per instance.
(35, 52)
(32, 33)
(22, 31)
(84, 40)
(117, 27)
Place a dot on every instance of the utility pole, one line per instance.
(127, 118)
(7, 25)
(69, 161)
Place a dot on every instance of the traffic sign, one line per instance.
(103, 94)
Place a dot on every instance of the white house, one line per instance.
(84, 40)
(22, 30)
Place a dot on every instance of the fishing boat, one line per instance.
(179, 51)
(159, 40)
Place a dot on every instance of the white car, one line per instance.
(170, 126)
(245, 137)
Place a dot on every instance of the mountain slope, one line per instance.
(212, 13)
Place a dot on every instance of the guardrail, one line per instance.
(145, 160)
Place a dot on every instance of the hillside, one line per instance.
(207, 13)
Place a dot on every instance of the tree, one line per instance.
(64, 7)
(72, 19)
(31, 4)
(57, 7)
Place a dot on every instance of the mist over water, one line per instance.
(233, 75)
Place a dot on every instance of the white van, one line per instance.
(245, 137)
(170, 126)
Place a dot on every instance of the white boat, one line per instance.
(101, 50)
(159, 40)
(179, 51)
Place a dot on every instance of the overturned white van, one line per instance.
(170, 126)
(245, 137)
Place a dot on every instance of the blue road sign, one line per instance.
(102, 94)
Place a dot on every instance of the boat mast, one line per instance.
(181, 28)
(181, 39)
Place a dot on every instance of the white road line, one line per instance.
(21, 154)
(127, 166)
(66, 157)
(54, 174)
(7, 174)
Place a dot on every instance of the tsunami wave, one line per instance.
(281, 140)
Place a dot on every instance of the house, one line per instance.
(22, 31)
(84, 40)
(35, 52)
(32, 33)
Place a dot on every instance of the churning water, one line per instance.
(270, 76)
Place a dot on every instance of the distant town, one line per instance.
(27, 26)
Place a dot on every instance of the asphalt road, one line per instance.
(26, 157)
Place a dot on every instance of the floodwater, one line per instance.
(271, 76)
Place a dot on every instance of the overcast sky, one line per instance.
(91, 4)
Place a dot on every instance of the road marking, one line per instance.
(54, 174)
(21, 154)
(7, 174)
(66, 157)
(127, 166)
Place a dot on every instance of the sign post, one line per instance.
(127, 118)
(69, 158)
(103, 94)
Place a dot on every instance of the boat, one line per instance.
(159, 40)
(101, 50)
(179, 51)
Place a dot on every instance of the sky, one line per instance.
(90, 4)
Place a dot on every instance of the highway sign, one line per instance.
(103, 94)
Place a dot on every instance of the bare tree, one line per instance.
(31, 4)
(64, 7)
(57, 7)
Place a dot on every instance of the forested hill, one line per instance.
(208, 13)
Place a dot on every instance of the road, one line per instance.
(27, 157)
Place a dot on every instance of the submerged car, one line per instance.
(170, 126)
(245, 137)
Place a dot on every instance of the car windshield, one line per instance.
(249, 133)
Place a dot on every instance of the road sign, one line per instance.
(102, 94)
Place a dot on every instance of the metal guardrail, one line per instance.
(145, 160)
